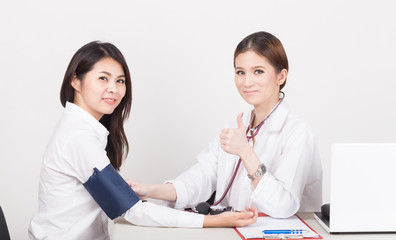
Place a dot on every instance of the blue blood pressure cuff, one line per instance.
(111, 192)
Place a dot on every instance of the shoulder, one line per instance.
(296, 132)
(71, 127)
(82, 148)
(70, 142)
(286, 120)
(295, 122)
(74, 131)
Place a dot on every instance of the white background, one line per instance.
(341, 81)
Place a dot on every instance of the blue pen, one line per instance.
(294, 231)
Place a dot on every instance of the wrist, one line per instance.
(214, 221)
(261, 169)
(148, 189)
(246, 152)
(209, 221)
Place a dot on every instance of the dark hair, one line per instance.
(82, 62)
(266, 45)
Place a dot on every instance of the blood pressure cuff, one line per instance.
(111, 192)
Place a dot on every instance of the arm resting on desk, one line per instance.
(152, 215)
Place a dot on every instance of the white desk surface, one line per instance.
(125, 231)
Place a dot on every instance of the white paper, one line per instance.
(256, 229)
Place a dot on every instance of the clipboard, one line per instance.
(294, 219)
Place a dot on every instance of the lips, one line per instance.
(110, 100)
(250, 92)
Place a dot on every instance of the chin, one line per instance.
(108, 111)
(251, 102)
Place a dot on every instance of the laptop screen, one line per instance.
(363, 187)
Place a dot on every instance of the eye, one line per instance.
(239, 72)
(103, 78)
(121, 81)
(258, 72)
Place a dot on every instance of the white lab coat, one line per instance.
(293, 181)
(66, 209)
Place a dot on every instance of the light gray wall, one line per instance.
(180, 54)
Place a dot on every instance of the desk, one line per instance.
(125, 231)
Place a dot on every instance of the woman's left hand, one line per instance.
(232, 219)
(140, 189)
(233, 140)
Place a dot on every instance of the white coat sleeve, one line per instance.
(199, 182)
(279, 191)
(153, 215)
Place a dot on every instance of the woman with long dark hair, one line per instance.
(80, 187)
(267, 158)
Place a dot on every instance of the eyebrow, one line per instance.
(107, 73)
(258, 67)
(251, 67)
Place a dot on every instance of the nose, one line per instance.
(248, 80)
(112, 87)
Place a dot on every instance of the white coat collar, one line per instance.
(277, 119)
(100, 130)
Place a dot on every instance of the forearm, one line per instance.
(153, 215)
(251, 163)
(213, 221)
(281, 197)
(280, 203)
(165, 192)
(149, 214)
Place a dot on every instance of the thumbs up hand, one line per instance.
(233, 140)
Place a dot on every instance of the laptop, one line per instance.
(363, 188)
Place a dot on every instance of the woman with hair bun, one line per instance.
(267, 158)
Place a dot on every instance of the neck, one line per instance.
(262, 111)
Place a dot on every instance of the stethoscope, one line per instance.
(254, 132)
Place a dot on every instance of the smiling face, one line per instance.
(257, 80)
(101, 89)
